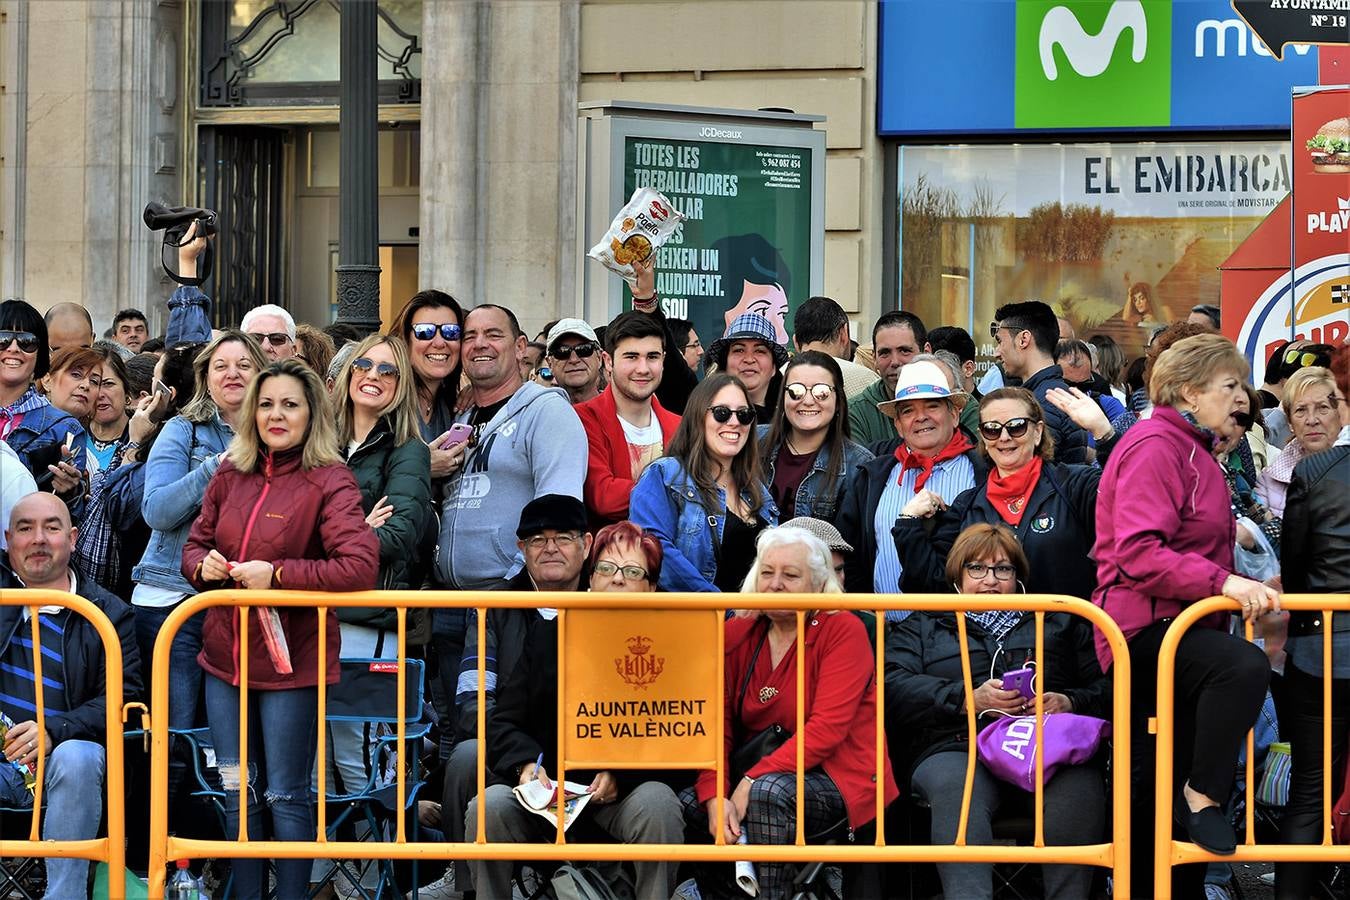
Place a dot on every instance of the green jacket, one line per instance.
(868, 424)
(403, 474)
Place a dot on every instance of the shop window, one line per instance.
(1117, 237)
(286, 52)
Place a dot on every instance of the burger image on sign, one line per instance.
(1331, 147)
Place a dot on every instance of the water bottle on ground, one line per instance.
(184, 886)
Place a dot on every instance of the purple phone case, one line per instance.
(1020, 680)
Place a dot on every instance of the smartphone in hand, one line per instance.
(458, 434)
(1020, 680)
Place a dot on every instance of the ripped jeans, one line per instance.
(282, 731)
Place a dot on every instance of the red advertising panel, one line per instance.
(1312, 301)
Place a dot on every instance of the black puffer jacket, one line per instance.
(925, 692)
(1057, 532)
(403, 474)
(1315, 545)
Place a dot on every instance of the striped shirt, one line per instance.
(17, 686)
(949, 479)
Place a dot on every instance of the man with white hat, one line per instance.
(933, 462)
(574, 355)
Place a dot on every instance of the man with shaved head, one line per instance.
(71, 735)
(68, 325)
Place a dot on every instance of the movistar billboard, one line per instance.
(997, 66)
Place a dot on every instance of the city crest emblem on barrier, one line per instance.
(638, 667)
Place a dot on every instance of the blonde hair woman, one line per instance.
(1309, 405)
(282, 512)
(1165, 537)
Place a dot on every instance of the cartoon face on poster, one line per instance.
(745, 244)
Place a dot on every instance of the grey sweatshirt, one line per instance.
(535, 445)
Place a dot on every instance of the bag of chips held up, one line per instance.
(645, 223)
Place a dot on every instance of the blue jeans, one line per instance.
(185, 687)
(74, 784)
(185, 675)
(282, 731)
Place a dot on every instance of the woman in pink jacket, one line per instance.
(1165, 540)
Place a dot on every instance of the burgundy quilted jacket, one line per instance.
(310, 527)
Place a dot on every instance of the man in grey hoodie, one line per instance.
(527, 442)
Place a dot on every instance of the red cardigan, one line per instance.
(609, 471)
(841, 707)
(310, 526)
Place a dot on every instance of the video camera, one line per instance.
(175, 222)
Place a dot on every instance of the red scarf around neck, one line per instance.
(908, 459)
(1009, 495)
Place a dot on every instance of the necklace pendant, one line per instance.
(767, 693)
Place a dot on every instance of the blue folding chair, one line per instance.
(367, 692)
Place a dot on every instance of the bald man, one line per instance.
(69, 325)
(71, 738)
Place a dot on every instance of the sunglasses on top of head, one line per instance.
(426, 331)
(1015, 428)
(722, 414)
(1302, 357)
(798, 391)
(362, 365)
(583, 351)
(26, 340)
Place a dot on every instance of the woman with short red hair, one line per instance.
(625, 558)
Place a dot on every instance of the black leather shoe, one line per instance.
(1209, 829)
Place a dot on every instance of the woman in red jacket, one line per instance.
(282, 512)
(839, 727)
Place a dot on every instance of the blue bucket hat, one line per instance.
(748, 327)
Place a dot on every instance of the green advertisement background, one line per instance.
(781, 214)
(1140, 92)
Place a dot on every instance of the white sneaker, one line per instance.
(442, 888)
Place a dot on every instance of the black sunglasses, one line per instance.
(384, 370)
(1015, 428)
(797, 391)
(426, 331)
(275, 338)
(26, 340)
(583, 351)
(722, 414)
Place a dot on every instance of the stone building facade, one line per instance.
(102, 107)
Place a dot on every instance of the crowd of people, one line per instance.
(454, 453)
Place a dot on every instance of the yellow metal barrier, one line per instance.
(1168, 852)
(110, 849)
(163, 847)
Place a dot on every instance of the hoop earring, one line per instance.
(1021, 586)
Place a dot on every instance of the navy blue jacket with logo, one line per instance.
(1057, 532)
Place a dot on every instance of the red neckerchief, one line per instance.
(911, 460)
(1009, 495)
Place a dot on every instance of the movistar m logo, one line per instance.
(1093, 64)
(1090, 54)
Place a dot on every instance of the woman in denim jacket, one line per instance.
(186, 453)
(705, 500)
(806, 450)
(35, 430)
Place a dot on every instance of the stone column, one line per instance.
(358, 271)
(452, 84)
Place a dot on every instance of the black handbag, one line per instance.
(747, 753)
